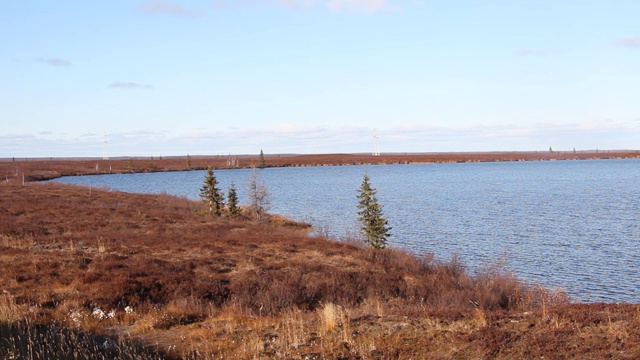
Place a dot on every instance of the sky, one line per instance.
(217, 77)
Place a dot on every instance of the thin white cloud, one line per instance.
(169, 8)
(358, 5)
(280, 138)
(340, 6)
(57, 62)
(633, 42)
(141, 134)
(128, 85)
(253, 4)
(588, 135)
(525, 52)
(297, 4)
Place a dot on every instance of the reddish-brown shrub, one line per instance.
(117, 249)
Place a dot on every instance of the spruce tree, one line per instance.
(375, 227)
(210, 193)
(262, 162)
(232, 200)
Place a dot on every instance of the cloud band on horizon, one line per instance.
(290, 138)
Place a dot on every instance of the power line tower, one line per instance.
(376, 142)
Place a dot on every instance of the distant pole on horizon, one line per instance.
(376, 142)
(105, 150)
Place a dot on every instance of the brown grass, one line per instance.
(19, 169)
(152, 267)
(329, 316)
(9, 310)
(43, 342)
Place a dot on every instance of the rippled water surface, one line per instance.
(571, 224)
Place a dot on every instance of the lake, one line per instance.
(569, 224)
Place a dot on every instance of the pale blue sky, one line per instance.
(317, 76)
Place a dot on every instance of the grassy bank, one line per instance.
(25, 169)
(156, 270)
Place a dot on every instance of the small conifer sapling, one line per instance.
(262, 161)
(232, 200)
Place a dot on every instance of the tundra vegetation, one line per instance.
(91, 273)
(15, 169)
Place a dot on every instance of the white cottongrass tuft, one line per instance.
(98, 314)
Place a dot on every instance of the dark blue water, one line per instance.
(568, 224)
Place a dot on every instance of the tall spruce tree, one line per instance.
(210, 193)
(232, 200)
(375, 227)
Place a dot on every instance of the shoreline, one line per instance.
(42, 169)
(153, 271)
(156, 270)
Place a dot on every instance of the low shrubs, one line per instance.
(176, 268)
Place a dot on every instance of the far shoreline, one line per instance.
(41, 169)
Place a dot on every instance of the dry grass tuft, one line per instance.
(480, 317)
(9, 310)
(294, 328)
(24, 241)
(102, 247)
(328, 316)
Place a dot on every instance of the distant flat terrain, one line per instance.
(30, 169)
